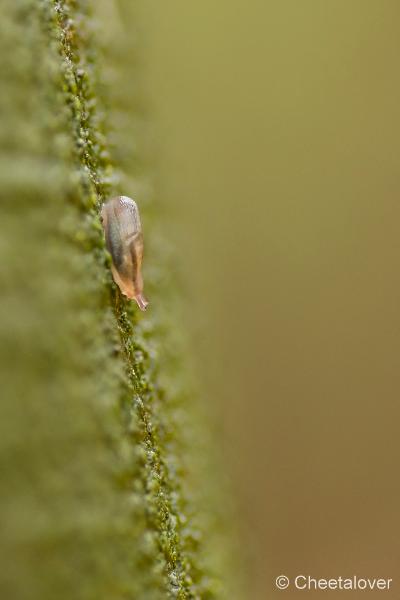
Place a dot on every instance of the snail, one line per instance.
(124, 240)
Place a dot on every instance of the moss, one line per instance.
(94, 502)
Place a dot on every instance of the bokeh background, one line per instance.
(262, 142)
(277, 134)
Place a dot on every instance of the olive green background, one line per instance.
(277, 135)
(270, 131)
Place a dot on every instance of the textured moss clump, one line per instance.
(92, 500)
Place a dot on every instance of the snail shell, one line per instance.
(124, 240)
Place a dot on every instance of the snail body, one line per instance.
(124, 241)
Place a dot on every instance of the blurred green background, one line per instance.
(272, 133)
(277, 134)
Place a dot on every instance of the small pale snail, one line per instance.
(124, 241)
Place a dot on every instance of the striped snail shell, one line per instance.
(124, 240)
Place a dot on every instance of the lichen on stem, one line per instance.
(141, 397)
